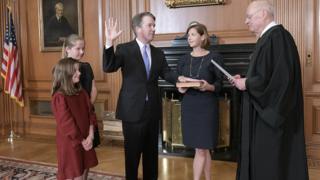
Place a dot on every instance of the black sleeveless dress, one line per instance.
(86, 77)
(199, 110)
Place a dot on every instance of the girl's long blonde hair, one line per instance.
(69, 42)
(62, 77)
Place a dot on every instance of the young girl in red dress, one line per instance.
(75, 119)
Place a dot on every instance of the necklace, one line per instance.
(198, 71)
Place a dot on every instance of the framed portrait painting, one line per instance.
(57, 20)
(191, 3)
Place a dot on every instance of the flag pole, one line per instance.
(11, 135)
(8, 5)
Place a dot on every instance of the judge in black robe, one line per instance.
(272, 131)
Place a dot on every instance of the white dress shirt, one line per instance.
(270, 25)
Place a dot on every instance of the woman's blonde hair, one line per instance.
(69, 42)
(202, 30)
(63, 72)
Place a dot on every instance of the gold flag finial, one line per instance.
(9, 5)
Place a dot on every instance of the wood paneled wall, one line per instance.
(292, 15)
(225, 21)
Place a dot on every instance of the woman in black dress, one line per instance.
(200, 104)
(74, 47)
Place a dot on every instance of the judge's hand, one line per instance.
(110, 31)
(239, 82)
(237, 76)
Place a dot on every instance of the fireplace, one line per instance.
(236, 60)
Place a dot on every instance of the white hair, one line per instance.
(264, 5)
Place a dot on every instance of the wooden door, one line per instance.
(301, 18)
(311, 79)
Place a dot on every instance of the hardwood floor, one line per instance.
(111, 160)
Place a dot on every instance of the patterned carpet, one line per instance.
(12, 169)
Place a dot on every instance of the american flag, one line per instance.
(10, 66)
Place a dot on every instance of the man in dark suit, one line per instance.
(139, 103)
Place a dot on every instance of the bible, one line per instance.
(188, 84)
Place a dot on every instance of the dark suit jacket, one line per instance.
(135, 85)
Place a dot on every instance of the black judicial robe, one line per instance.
(272, 127)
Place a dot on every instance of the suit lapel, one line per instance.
(153, 60)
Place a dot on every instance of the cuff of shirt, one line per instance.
(108, 45)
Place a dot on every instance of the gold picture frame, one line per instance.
(57, 20)
(190, 3)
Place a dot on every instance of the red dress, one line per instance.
(73, 115)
